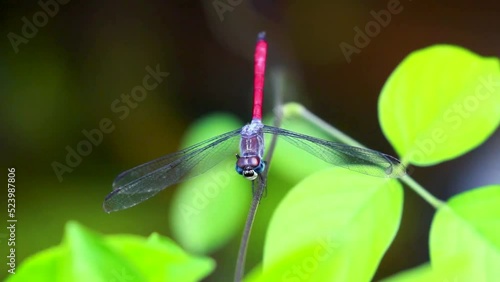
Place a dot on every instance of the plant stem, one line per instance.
(433, 201)
(242, 252)
(294, 109)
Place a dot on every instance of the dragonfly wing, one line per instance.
(361, 160)
(142, 182)
(146, 168)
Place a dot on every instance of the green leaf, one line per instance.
(170, 262)
(91, 259)
(86, 256)
(210, 209)
(417, 274)
(425, 272)
(46, 265)
(440, 103)
(467, 230)
(335, 225)
(309, 262)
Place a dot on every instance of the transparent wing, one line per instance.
(361, 160)
(144, 181)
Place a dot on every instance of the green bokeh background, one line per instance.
(66, 77)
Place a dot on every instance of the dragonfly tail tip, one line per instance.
(261, 36)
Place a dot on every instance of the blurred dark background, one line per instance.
(65, 78)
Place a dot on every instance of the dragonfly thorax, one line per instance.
(249, 166)
(249, 163)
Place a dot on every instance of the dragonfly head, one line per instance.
(249, 166)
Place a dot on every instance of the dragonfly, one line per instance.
(145, 181)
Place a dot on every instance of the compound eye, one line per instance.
(254, 161)
(250, 174)
(248, 162)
